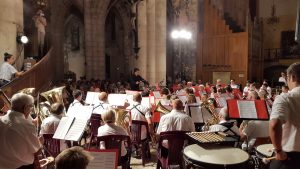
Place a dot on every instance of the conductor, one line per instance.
(136, 80)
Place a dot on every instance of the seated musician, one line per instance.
(109, 128)
(180, 90)
(19, 141)
(74, 157)
(233, 85)
(140, 112)
(176, 120)
(229, 94)
(77, 94)
(284, 89)
(202, 90)
(50, 124)
(165, 94)
(224, 124)
(103, 103)
(252, 130)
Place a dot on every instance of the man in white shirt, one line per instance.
(103, 104)
(50, 124)
(7, 71)
(285, 123)
(19, 141)
(77, 94)
(140, 112)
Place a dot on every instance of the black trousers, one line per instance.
(292, 162)
(31, 166)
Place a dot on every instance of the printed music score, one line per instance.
(198, 113)
(92, 98)
(117, 99)
(106, 159)
(81, 112)
(247, 109)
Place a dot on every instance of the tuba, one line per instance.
(162, 109)
(121, 116)
(209, 105)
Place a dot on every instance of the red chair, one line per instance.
(115, 142)
(51, 145)
(143, 145)
(95, 122)
(175, 143)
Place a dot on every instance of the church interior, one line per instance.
(132, 65)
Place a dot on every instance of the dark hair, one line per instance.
(77, 93)
(7, 56)
(165, 91)
(228, 88)
(294, 70)
(136, 69)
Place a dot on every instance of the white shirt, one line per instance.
(220, 127)
(7, 71)
(282, 79)
(286, 108)
(255, 129)
(136, 114)
(72, 108)
(175, 121)
(50, 124)
(18, 141)
(246, 90)
(112, 129)
(101, 107)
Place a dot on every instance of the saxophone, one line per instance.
(209, 105)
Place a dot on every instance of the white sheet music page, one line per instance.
(63, 127)
(117, 99)
(103, 160)
(92, 98)
(81, 112)
(247, 109)
(183, 99)
(196, 113)
(145, 102)
(76, 129)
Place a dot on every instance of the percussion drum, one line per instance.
(264, 150)
(214, 157)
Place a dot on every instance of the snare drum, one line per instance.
(264, 150)
(214, 157)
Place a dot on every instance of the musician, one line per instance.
(284, 123)
(233, 85)
(77, 94)
(109, 128)
(180, 90)
(74, 157)
(19, 141)
(246, 88)
(165, 94)
(140, 112)
(282, 78)
(136, 79)
(103, 103)
(202, 90)
(176, 120)
(50, 124)
(224, 124)
(7, 71)
(284, 89)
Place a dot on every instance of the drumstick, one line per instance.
(267, 160)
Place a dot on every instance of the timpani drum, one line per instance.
(264, 150)
(214, 157)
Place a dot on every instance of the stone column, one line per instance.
(151, 53)
(141, 62)
(160, 40)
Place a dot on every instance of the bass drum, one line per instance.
(214, 157)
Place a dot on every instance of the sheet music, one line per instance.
(92, 98)
(63, 127)
(76, 129)
(221, 101)
(156, 94)
(81, 112)
(103, 160)
(129, 99)
(131, 92)
(198, 100)
(117, 99)
(196, 113)
(247, 109)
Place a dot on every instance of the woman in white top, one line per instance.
(7, 71)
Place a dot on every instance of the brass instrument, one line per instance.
(121, 116)
(29, 91)
(162, 109)
(244, 124)
(209, 105)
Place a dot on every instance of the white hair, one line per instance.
(19, 100)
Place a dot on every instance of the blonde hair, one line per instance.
(109, 116)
